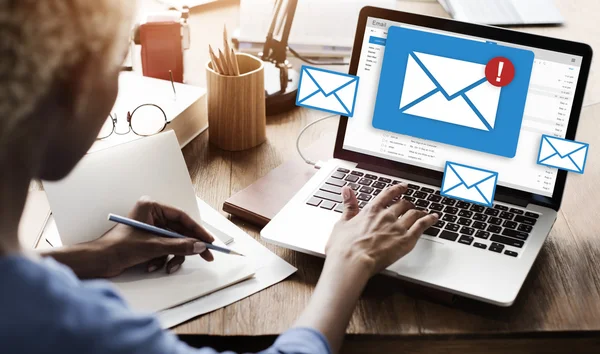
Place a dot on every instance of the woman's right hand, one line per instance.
(379, 235)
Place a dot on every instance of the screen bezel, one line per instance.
(488, 32)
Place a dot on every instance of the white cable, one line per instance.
(308, 161)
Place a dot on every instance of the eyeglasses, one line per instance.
(146, 120)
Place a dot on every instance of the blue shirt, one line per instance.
(45, 308)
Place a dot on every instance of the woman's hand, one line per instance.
(379, 235)
(124, 247)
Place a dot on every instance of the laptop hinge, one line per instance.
(413, 176)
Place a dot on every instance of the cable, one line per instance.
(312, 62)
(310, 162)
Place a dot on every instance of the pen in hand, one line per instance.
(165, 233)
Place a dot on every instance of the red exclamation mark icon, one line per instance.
(499, 71)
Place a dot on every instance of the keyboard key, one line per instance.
(479, 245)
(452, 227)
(434, 198)
(439, 213)
(465, 213)
(357, 173)
(464, 222)
(507, 241)
(463, 205)
(343, 170)
(379, 185)
(366, 189)
(352, 178)
(516, 234)
(427, 190)
(338, 175)
(525, 220)
(437, 192)
(516, 211)
(420, 195)
(432, 231)
(331, 189)
(482, 234)
(396, 182)
(448, 201)
(409, 192)
(314, 201)
(439, 223)
(532, 215)
(495, 247)
(510, 224)
(422, 203)
(339, 208)
(364, 197)
(354, 186)
(376, 192)
(327, 205)
(500, 207)
(494, 228)
(479, 225)
(467, 231)
(385, 180)
(329, 196)
(511, 253)
(410, 199)
(413, 186)
(336, 182)
(477, 208)
(448, 217)
(451, 210)
(436, 207)
(480, 217)
(524, 228)
(370, 176)
(365, 181)
(362, 204)
(447, 235)
(506, 215)
(495, 221)
(466, 240)
(492, 212)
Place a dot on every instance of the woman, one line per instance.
(59, 64)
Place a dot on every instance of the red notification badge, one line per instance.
(499, 71)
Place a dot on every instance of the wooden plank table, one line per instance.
(558, 309)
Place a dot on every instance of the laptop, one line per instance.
(483, 252)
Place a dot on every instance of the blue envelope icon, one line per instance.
(469, 184)
(565, 154)
(328, 91)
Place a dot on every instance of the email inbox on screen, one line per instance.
(434, 87)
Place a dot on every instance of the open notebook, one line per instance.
(111, 181)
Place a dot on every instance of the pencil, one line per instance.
(165, 233)
(224, 63)
(226, 45)
(218, 67)
(236, 67)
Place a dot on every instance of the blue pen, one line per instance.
(164, 233)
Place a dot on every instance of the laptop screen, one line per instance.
(436, 96)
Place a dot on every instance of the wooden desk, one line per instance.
(558, 309)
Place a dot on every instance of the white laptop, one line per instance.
(475, 251)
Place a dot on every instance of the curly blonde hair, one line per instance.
(41, 40)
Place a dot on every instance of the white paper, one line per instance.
(270, 269)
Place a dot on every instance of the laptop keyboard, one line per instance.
(501, 229)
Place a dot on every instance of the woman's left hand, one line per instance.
(124, 247)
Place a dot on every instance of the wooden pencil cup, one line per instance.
(236, 105)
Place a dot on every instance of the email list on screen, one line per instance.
(548, 100)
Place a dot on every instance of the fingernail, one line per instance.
(199, 247)
(152, 269)
(346, 193)
(174, 269)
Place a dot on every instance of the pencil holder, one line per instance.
(236, 105)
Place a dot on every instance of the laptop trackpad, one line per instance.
(428, 256)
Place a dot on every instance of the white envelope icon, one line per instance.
(449, 90)
(327, 91)
(468, 183)
(564, 154)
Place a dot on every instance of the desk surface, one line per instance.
(561, 293)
